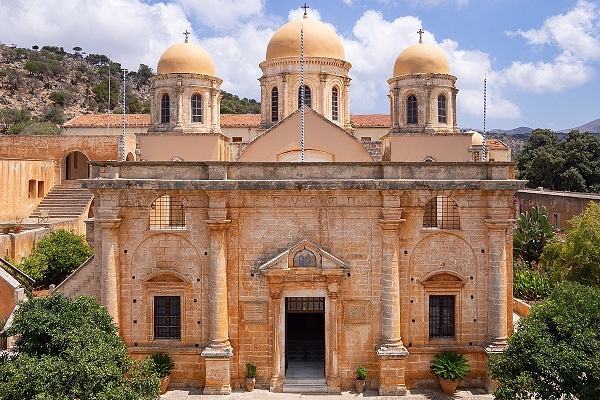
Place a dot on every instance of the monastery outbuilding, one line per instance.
(308, 253)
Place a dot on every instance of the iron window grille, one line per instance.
(442, 109)
(334, 104)
(305, 304)
(307, 99)
(167, 317)
(441, 317)
(274, 104)
(441, 212)
(165, 109)
(412, 110)
(196, 108)
(167, 213)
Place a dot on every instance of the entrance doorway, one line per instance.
(76, 166)
(304, 337)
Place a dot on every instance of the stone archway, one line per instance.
(75, 166)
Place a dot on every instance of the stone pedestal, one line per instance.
(392, 368)
(218, 370)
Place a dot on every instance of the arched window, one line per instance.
(442, 109)
(441, 212)
(412, 110)
(196, 108)
(274, 105)
(334, 104)
(166, 213)
(165, 109)
(306, 96)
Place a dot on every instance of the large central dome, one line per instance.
(421, 58)
(186, 58)
(319, 41)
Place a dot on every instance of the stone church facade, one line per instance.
(338, 261)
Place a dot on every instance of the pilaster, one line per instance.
(334, 284)
(109, 281)
(276, 291)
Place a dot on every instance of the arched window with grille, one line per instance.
(167, 213)
(196, 108)
(441, 212)
(412, 110)
(274, 105)
(334, 103)
(306, 96)
(165, 109)
(442, 109)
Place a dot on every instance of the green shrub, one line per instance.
(361, 372)
(530, 284)
(162, 364)
(250, 370)
(450, 365)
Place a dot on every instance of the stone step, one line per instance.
(67, 200)
(304, 385)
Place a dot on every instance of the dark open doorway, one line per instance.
(305, 336)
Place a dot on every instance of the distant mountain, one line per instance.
(523, 130)
(592, 127)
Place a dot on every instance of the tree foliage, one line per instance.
(572, 164)
(55, 256)
(531, 235)
(554, 353)
(69, 349)
(578, 257)
(232, 104)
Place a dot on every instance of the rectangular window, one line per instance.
(441, 317)
(167, 317)
(32, 189)
(236, 139)
(40, 191)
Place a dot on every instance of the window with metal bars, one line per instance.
(334, 104)
(412, 110)
(274, 105)
(442, 109)
(167, 317)
(167, 213)
(165, 109)
(306, 96)
(196, 108)
(441, 212)
(305, 304)
(441, 317)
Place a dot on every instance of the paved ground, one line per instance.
(258, 394)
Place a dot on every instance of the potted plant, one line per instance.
(449, 367)
(250, 376)
(16, 225)
(361, 375)
(163, 365)
(6, 228)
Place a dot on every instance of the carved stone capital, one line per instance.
(391, 224)
(498, 224)
(389, 352)
(218, 225)
(108, 223)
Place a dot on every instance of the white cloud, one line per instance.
(224, 14)
(432, 3)
(129, 31)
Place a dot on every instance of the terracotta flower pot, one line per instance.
(449, 387)
(250, 382)
(164, 384)
(359, 385)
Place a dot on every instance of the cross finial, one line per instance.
(186, 33)
(305, 8)
(421, 32)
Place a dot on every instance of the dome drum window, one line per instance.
(274, 105)
(334, 104)
(196, 108)
(441, 212)
(412, 110)
(307, 97)
(165, 109)
(442, 119)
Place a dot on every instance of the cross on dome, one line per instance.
(420, 32)
(305, 8)
(186, 33)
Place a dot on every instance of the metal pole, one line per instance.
(124, 119)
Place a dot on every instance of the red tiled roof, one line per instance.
(495, 144)
(371, 120)
(233, 120)
(101, 120)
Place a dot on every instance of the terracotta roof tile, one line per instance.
(371, 120)
(101, 120)
(495, 144)
(233, 120)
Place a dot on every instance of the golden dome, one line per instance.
(186, 58)
(319, 41)
(476, 138)
(421, 58)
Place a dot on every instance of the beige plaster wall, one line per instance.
(320, 135)
(415, 148)
(16, 201)
(184, 147)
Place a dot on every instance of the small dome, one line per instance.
(476, 138)
(319, 41)
(421, 58)
(186, 58)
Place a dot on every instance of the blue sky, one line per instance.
(541, 57)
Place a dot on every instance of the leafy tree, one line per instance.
(578, 257)
(532, 233)
(554, 353)
(97, 59)
(102, 93)
(55, 256)
(41, 128)
(55, 115)
(69, 349)
(232, 104)
(60, 97)
(14, 119)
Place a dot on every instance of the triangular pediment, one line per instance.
(304, 257)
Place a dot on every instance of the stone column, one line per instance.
(214, 115)
(395, 108)
(286, 101)
(346, 101)
(454, 123)
(218, 353)
(109, 259)
(324, 102)
(498, 289)
(276, 283)
(391, 351)
(334, 385)
(265, 111)
(179, 100)
(428, 116)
